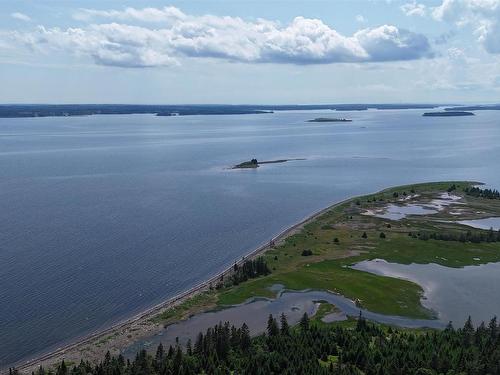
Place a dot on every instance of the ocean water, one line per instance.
(104, 216)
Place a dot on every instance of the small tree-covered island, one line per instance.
(448, 114)
(362, 319)
(254, 163)
(329, 119)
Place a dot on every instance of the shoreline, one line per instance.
(140, 324)
(28, 365)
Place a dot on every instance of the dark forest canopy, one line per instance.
(314, 348)
(482, 193)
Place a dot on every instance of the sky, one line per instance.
(249, 52)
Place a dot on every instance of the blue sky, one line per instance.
(249, 51)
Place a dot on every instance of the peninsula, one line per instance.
(322, 253)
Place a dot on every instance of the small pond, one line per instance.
(400, 211)
(487, 223)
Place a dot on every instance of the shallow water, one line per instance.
(454, 293)
(398, 212)
(256, 313)
(104, 216)
(487, 223)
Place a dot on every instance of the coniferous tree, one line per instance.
(285, 328)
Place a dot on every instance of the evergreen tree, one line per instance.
(285, 328)
(272, 326)
(304, 322)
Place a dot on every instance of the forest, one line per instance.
(482, 193)
(313, 347)
(468, 236)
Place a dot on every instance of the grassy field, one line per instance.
(343, 236)
(336, 240)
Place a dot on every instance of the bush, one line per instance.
(382, 235)
(307, 252)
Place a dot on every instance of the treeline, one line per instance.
(482, 193)
(474, 237)
(311, 348)
(250, 269)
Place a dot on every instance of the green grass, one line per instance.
(328, 267)
(199, 302)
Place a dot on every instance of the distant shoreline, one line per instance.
(70, 110)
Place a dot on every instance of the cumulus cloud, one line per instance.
(178, 35)
(20, 16)
(482, 15)
(413, 9)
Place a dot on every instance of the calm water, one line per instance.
(487, 223)
(255, 314)
(455, 293)
(103, 216)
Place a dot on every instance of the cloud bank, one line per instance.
(482, 15)
(164, 36)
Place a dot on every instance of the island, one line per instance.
(329, 119)
(255, 164)
(448, 114)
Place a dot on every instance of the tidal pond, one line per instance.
(255, 313)
(487, 223)
(454, 293)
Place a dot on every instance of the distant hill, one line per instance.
(46, 110)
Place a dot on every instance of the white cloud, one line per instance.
(482, 15)
(166, 14)
(20, 16)
(360, 18)
(303, 41)
(414, 9)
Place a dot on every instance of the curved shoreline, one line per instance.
(53, 356)
(27, 365)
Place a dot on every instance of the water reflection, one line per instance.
(255, 313)
(454, 293)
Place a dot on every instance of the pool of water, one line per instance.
(398, 212)
(402, 210)
(487, 223)
(454, 293)
(256, 312)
